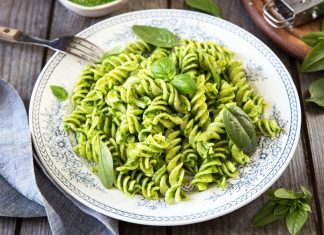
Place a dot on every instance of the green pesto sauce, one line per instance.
(91, 3)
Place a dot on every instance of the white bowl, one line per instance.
(95, 11)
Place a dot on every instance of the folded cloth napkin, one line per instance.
(24, 189)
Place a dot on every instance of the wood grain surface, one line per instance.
(20, 65)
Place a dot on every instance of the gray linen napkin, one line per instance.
(24, 189)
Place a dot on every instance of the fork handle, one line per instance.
(9, 34)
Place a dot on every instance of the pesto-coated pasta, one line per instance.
(159, 137)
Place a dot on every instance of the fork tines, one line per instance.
(84, 49)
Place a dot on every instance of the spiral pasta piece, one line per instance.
(268, 127)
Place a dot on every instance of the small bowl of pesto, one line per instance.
(93, 8)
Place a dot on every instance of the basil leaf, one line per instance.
(156, 36)
(314, 60)
(313, 38)
(114, 51)
(316, 90)
(266, 215)
(271, 195)
(285, 193)
(163, 69)
(59, 92)
(306, 207)
(240, 129)
(296, 220)
(105, 164)
(281, 210)
(208, 6)
(184, 84)
(306, 194)
(285, 202)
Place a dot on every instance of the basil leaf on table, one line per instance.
(163, 69)
(59, 92)
(281, 210)
(306, 207)
(240, 129)
(208, 6)
(266, 215)
(314, 60)
(184, 84)
(312, 39)
(285, 203)
(306, 193)
(105, 164)
(316, 90)
(296, 220)
(156, 36)
(285, 194)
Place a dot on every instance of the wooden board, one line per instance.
(288, 39)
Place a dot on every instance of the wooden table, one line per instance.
(21, 65)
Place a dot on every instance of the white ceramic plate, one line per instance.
(265, 72)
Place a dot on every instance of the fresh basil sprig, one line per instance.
(314, 60)
(59, 92)
(163, 69)
(313, 38)
(105, 165)
(114, 51)
(240, 129)
(285, 204)
(208, 6)
(316, 90)
(184, 84)
(156, 36)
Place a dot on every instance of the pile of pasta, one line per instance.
(159, 138)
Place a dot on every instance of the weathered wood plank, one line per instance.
(20, 64)
(35, 226)
(314, 117)
(296, 174)
(7, 226)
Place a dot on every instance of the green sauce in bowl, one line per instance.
(91, 3)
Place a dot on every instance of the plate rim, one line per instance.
(166, 219)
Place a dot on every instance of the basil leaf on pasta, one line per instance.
(163, 69)
(114, 51)
(240, 129)
(184, 84)
(105, 164)
(156, 36)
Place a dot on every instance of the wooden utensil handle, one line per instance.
(9, 34)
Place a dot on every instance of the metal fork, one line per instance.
(71, 45)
